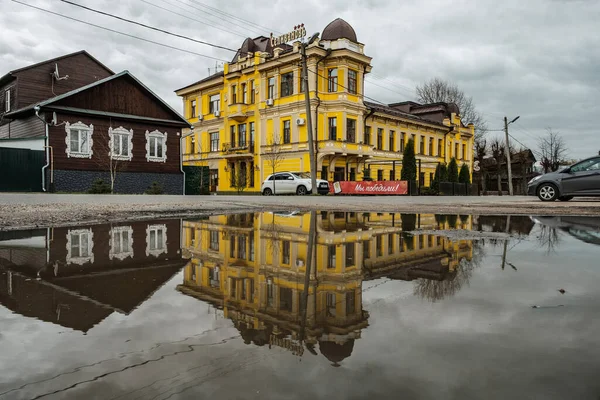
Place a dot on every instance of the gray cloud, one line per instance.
(537, 59)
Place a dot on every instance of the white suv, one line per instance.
(291, 183)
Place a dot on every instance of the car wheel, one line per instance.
(547, 192)
(301, 190)
(267, 192)
(565, 198)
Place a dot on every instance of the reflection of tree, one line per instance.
(434, 290)
(409, 224)
(549, 238)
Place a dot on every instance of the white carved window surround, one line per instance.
(121, 242)
(156, 240)
(156, 146)
(120, 143)
(80, 243)
(79, 140)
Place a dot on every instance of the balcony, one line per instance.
(239, 112)
(345, 147)
(238, 149)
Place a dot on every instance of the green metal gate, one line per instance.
(21, 170)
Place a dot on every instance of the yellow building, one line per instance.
(250, 119)
(253, 267)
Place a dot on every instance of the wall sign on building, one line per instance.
(298, 33)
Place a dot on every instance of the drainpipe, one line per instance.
(327, 54)
(181, 154)
(37, 114)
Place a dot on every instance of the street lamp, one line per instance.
(309, 131)
(508, 163)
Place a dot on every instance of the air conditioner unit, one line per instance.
(269, 102)
(300, 121)
(217, 113)
(299, 263)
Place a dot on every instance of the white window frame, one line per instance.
(156, 251)
(116, 233)
(7, 100)
(128, 134)
(79, 260)
(80, 127)
(156, 135)
(213, 100)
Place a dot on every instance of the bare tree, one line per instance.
(498, 152)
(114, 149)
(239, 180)
(481, 150)
(553, 150)
(437, 89)
(274, 155)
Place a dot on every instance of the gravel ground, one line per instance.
(25, 211)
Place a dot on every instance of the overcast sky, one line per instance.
(538, 59)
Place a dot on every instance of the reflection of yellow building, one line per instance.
(253, 266)
(258, 100)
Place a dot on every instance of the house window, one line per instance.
(232, 135)
(252, 93)
(271, 87)
(390, 243)
(244, 93)
(392, 141)
(242, 135)
(121, 244)
(156, 146)
(422, 179)
(287, 135)
(351, 130)
(214, 141)
(251, 247)
(156, 240)
(392, 177)
(367, 135)
(120, 143)
(379, 174)
(440, 146)
(332, 128)
(331, 306)
(270, 292)
(464, 151)
(366, 250)
(331, 257)
(352, 81)
(214, 240)
(379, 138)
(193, 109)
(79, 246)
(431, 146)
(232, 175)
(350, 255)
(233, 94)
(379, 245)
(7, 101)
(287, 84)
(402, 139)
(422, 145)
(456, 148)
(232, 246)
(332, 80)
(214, 178)
(285, 252)
(350, 303)
(251, 174)
(214, 277)
(215, 104)
(79, 140)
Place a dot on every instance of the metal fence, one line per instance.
(21, 170)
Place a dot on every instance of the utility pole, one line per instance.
(508, 164)
(309, 130)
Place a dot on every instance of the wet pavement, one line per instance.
(302, 305)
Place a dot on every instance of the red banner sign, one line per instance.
(371, 187)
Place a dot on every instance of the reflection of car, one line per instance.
(290, 183)
(586, 229)
(581, 179)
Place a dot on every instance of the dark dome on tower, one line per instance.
(339, 29)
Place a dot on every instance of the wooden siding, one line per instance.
(121, 95)
(23, 128)
(58, 135)
(37, 84)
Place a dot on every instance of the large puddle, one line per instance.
(303, 305)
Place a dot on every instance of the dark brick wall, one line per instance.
(126, 182)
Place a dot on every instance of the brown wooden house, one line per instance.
(88, 120)
(77, 276)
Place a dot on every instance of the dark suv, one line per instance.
(581, 179)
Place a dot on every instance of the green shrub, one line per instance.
(155, 188)
(409, 162)
(429, 191)
(464, 176)
(453, 171)
(99, 187)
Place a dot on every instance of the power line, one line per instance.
(192, 19)
(384, 87)
(118, 32)
(235, 17)
(147, 26)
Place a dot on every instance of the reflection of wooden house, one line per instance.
(254, 269)
(76, 277)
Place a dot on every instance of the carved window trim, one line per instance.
(120, 131)
(80, 260)
(80, 127)
(156, 134)
(153, 248)
(124, 253)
